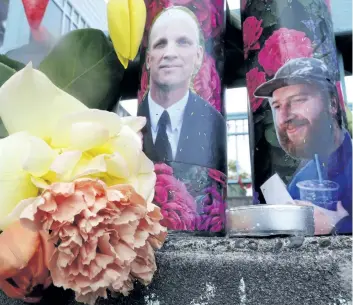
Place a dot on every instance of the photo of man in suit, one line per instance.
(308, 121)
(181, 126)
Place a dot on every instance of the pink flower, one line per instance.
(177, 205)
(283, 45)
(207, 83)
(105, 236)
(162, 168)
(252, 31)
(143, 84)
(254, 78)
(217, 176)
(213, 217)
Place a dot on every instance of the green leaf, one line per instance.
(84, 64)
(13, 64)
(5, 73)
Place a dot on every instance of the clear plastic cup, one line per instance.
(323, 194)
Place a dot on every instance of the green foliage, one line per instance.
(84, 64)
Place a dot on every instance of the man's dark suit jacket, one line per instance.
(203, 136)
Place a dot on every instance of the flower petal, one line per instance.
(39, 158)
(117, 166)
(15, 255)
(29, 101)
(129, 145)
(88, 166)
(87, 135)
(66, 162)
(62, 132)
(135, 123)
(15, 183)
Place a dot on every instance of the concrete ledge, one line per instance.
(213, 271)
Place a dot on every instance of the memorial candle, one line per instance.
(181, 95)
(297, 110)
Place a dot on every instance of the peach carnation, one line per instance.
(105, 236)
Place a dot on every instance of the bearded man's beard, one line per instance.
(318, 139)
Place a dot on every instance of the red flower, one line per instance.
(207, 83)
(143, 84)
(217, 176)
(177, 205)
(35, 10)
(254, 78)
(252, 31)
(283, 45)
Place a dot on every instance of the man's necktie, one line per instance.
(162, 144)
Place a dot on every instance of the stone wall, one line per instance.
(241, 271)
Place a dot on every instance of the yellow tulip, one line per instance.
(54, 137)
(126, 23)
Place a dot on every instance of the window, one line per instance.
(52, 20)
(73, 20)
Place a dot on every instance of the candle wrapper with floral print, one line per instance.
(302, 149)
(181, 95)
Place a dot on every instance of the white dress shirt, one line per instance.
(176, 113)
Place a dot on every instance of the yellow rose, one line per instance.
(54, 137)
(126, 23)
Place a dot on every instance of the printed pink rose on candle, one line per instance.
(213, 217)
(207, 83)
(254, 78)
(283, 45)
(252, 31)
(178, 207)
